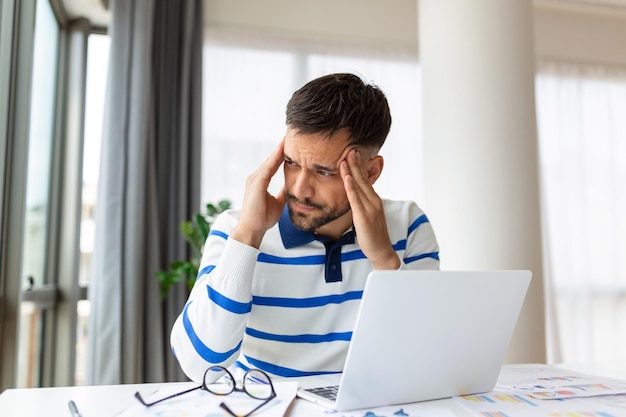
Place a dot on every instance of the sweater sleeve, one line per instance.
(422, 249)
(209, 331)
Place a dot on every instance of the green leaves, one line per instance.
(195, 232)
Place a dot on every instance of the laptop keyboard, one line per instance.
(329, 392)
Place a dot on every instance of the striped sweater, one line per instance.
(289, 307)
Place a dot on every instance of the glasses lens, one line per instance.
(257, 384)
(218, 381)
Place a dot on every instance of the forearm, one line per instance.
(387, 260)
(248, 236)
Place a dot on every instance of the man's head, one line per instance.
(341, 101)
(327, 119)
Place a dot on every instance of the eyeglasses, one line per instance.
(219, 381)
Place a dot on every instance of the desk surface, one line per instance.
(108, 400)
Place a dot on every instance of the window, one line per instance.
(580, 111)
(97, 66)
(43, 68)
(247, 85)
(36, 227)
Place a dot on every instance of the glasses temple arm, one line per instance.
(227, 408)
(141, 400)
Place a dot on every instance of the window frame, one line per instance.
(17, 44)
(58, 297)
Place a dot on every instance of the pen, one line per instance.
(73, 409)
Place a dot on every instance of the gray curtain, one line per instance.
(149, 183)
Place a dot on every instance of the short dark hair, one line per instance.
(337, 101)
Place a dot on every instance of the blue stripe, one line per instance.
(434, 255)
(419, 221)
(319, 259)
(400, 245)
(281, 370)
(221, 234)
(206, 270)
(352, 256)
(301, 260)
(307, 260)
(203, 350)
(228, 304)
(307, 302)
(301, 338)
(240, 365)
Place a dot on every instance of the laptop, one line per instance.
(424, 335)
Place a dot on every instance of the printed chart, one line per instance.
(543, 391)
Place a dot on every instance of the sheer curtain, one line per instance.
(581, 113)
(148, 185)
(248, 81)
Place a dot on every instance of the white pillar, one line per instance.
(480, 147)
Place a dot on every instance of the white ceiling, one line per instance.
(590, 5)
(97, 11)
(598, 3)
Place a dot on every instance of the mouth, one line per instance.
(302, 206)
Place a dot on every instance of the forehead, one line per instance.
(317, 147)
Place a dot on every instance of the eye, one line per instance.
(325, 173)
(290, 163)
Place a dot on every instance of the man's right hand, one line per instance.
(260, 210)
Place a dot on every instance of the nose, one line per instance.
(303, 185)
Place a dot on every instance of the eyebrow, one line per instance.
(316, 167)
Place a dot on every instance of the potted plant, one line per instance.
(195, 232)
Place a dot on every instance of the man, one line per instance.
(281, 278)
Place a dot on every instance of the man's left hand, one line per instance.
(368, 214)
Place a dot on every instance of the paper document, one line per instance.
(200, 403)
(546, 382)
(494, 404)
(544, 391)
(423, 409)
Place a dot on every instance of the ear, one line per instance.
(374, 168)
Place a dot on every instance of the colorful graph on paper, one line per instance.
(545, 391)
(548, 383)
(496, 404)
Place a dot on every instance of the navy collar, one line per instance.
(293, 237)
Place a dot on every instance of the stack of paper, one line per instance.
(542, 390)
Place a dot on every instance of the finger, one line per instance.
(360, 176)
(352, 188)
(270, 166)
(277, 157)
(356, 167)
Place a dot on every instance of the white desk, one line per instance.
(92, 401)
(106, 401)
